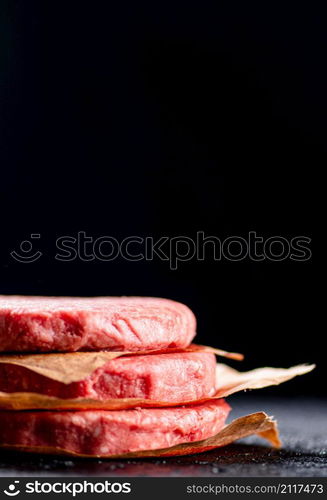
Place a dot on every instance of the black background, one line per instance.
(151, 119)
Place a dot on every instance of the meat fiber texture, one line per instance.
(45, 324)
(173, 378)
(110, 433)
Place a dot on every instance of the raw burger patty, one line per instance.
(162, 377)
(113, 432)
(43, 324)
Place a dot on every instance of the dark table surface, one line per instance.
(303, 427)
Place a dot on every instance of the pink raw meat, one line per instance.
(102, 433)
(44, 324)
(171, 378)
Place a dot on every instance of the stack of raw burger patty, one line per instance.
(151, 335)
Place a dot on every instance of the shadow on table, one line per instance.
(232, 460)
